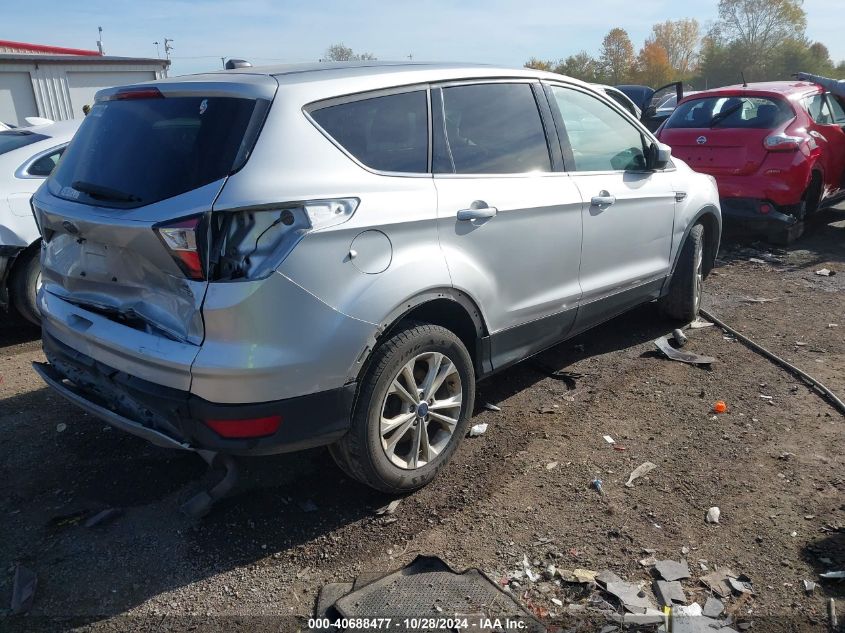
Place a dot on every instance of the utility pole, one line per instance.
(167, 49)
(100, 40)
(158, 52)
(223, 62)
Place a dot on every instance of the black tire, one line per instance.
(683, 299)
(361, 454)
(23, 285)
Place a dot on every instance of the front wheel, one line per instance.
(683, 299)
(412, 410)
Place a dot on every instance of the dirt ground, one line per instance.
(774, 467)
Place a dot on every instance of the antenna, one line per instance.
(100, 40)
(158, 52)
(744, 83)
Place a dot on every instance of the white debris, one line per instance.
(824, 272)
(639, 471)
(833, 575)
(557, 601)
(61, 427)
(713, 515)
(491, 407)
(532, 575)
(478, 429)
(700, 323)
(390, 508)
(551, 465)
(609, 439)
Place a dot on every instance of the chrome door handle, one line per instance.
(604, 199)
(479, 213)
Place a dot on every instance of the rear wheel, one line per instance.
(412, 411)
(683, 300)
(24, 284)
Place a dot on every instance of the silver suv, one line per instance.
(263, 260)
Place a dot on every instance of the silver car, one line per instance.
(262, 260)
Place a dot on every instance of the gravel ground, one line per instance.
(773, 465)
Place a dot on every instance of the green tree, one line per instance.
(342, 53)
(757, 27)
(617, 56)
(581, 66)
(681, 39)
(539, 64)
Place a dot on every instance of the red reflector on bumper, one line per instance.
(250, 427)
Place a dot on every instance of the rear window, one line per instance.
(731, 112)
(14, 139)
(388, 133)
(134, 152)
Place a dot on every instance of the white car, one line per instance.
(27, 156)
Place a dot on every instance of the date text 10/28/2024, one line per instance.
(424, 623)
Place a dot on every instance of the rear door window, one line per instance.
(818, 109)
(758, 113)
(135, 152)
(387, 133)
(491, 129)
(15, 139)
(836, 109)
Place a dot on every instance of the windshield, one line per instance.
(731, 112)
(134, 152)
(14, 139)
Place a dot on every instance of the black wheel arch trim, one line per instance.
(711, 248)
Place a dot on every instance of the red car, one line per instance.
(777, 150)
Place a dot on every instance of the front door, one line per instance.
(509, 226)
(628, 211)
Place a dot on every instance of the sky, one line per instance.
(267, 31)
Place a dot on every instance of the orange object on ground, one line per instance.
(720, 406)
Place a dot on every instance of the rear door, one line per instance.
(628, 211)
(828, 122)
(125, 215)
(509, 225)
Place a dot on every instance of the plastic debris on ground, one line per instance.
(825, 272)
(713, 515)
(700, 323)
(640, 471)
(478, 429)
(679, 337)
(596, 484)
(390, 508)
(24, 585)
(104, 516)
(491, 407)
(672, 570)
(669, 593)
(719, 406)
(672, 353)
(609, 439)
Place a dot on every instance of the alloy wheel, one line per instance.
(421, 410)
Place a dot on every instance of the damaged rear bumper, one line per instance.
(173, 418)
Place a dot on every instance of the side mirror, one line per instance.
(658, 155)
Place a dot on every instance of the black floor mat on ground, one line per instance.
(429, 589)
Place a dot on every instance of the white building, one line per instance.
(54, 82)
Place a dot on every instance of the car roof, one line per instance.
(378, 72)
(59, 129)
(779, 89)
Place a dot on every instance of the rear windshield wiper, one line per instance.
(724, 115)
(104, 193)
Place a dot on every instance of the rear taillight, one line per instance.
(250, 243)
(782, 143)
(246, 428)
(180, 239)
